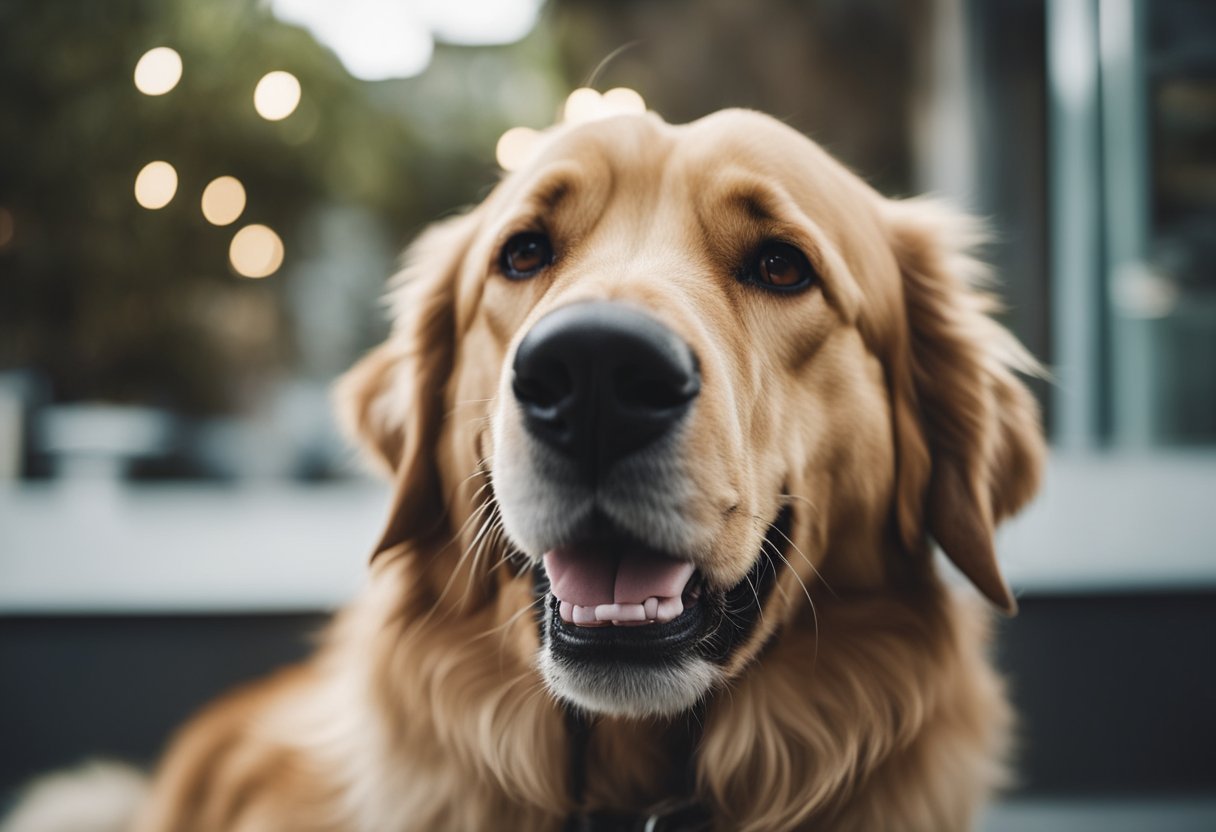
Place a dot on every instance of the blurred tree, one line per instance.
(114, 302)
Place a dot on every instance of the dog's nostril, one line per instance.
(640, 389)
(545, 387)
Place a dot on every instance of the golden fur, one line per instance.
(880, 407)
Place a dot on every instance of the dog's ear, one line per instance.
(391, 402)
(969, 441)
(371, 405)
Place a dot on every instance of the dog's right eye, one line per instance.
(526, 254)
(783, 268)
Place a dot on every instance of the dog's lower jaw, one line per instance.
(627, 690)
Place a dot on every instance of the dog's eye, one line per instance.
(526, 254)
(781, 266)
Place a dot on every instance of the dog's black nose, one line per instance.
(597, 380)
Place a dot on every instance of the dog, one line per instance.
(675, 419)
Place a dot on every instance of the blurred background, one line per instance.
(200, 201)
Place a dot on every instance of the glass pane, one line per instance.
(1161, 230)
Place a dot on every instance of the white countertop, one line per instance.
(191, 548)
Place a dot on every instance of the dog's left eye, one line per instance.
(526, 254)
(782, 267)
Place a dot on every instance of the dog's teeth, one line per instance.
(668, 609)
(632, 612)
(651, 610)
(617, 613)
(583, 615)
(607, 612)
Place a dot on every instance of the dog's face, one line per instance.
(707, 370)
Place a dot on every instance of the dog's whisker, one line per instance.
(469, 403)
(506, 625)
(500, 539)
(755, 594)
(482, 514)
(480, 470)
(477, 547)
(815, 569)
(491, 536)
(761, 523)
(785, 595)
(809, 599)
(473, 515)
(488, 533)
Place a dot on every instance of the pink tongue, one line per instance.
(589, 578)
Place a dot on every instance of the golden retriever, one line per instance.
(675, 417)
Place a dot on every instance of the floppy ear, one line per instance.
(970, 444)
(391, 402)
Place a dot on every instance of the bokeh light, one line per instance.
(623, 101)
(585, 104)
(277, 95)
(581, 105)
(223, 200)
(8, 227)
(374, 39)
(158, 71)
(155, 185)
(256, 251)
(479, 22)
(516, 147)
(381, 39)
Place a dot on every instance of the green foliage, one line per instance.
(115, 302)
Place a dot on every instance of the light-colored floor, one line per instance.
(1119, 815)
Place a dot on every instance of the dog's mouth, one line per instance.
(614, 601)
(607, 586)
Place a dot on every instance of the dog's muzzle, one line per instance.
(595, 382)
(595, 495)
